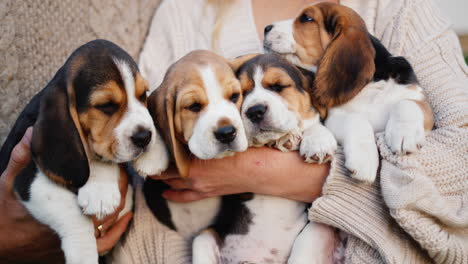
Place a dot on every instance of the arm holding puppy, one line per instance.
(22, 238)
(259, 170)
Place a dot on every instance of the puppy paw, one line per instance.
(289, 142)
(404, 137)
(319, 148)
(205, 249)
(362, 160)
(99, 199)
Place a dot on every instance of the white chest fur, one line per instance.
(376, 100)
(275, 224)
(190, 218)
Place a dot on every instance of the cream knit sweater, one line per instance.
(417, 211)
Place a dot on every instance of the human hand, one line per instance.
(22, 238)
(258, 170)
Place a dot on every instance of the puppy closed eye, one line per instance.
(234, 97)
(277, 87)
(195, 107)
(108, 108)
(305, 18)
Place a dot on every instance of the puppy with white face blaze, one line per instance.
(196, 108)
(91, 116)
(360, 88)
(252, 228)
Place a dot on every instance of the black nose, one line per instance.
(141, 138)
(225, 134)
(256, 113)
(268, 29)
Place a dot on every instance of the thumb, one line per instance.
(183, 196)
(19, 158)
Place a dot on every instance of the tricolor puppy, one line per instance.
(91, 116)
(196, 108)
(360, 87)
(252, 228)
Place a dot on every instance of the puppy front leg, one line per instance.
(100, 196)
(404, 132)
(356, 135)
(318, 144)
(56, 207)
(205, 248)
(314, 245)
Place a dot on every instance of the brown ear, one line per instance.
(56, 142)
(347, 64)
(239, 61)
(161, 104)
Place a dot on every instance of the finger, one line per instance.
(108, 241)
(170, 173)
(183, 196)
(20, 156)
(105, 223)
(179, 184)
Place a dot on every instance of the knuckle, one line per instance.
(20, 154)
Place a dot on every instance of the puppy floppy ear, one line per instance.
(161, 105)
(56, 143)
(239, 61)
(348, 62)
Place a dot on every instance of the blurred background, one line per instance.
(457, 10)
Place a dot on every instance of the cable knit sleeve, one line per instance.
(148, 241)
(418, 211)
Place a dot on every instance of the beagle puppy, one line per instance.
(196, 108)
(253, 228)
(359, 87)
(89, 118)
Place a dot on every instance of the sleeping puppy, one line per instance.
(91, 116)
(196, 108)
(252, 228)
(360, 87)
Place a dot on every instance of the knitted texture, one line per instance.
(148, 241)
(36, 36)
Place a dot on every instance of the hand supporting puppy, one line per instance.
(258, 170)
(22, 238)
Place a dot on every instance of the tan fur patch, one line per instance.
(97, 126)
(298, 102)
(141, 88)
(428, 114)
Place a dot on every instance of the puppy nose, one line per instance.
(256, 113)
(225, 134)
(268, 29)
(141, 138)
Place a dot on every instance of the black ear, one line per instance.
(26, 119)
(56, 143)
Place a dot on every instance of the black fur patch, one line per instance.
(390, 67)
(152, 190)
(272, 60)
(23, 180)
(234, 217)
(98, 55)
(56, 145)
(26, 119)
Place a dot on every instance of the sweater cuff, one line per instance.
(358, 209)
